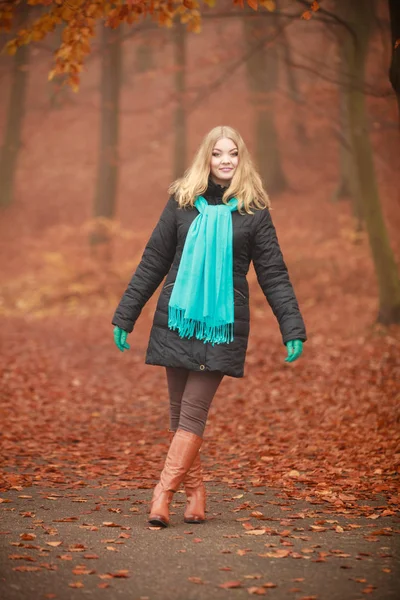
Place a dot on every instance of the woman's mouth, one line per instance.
(225, 169)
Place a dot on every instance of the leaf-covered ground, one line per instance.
(318, 439)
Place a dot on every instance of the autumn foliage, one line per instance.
(79, 19)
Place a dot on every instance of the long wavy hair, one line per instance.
(246, 184)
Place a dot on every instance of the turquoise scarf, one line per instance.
(201, 302)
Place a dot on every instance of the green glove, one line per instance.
(120, 339)
(294, 349)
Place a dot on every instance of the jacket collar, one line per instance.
(214, 192)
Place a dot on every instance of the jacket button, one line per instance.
(202, 367)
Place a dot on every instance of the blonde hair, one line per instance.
(246, 184)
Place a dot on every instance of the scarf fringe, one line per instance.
(204, 330)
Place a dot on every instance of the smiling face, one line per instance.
(224, 161)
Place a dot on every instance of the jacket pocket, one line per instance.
(240, 293)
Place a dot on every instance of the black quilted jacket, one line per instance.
(254, 238)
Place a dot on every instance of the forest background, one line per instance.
(84, 177)
(87, 155)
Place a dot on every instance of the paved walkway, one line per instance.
(64, 543)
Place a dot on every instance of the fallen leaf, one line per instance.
(277, 554)
(54, 544)
(27, 536)
(230, 584)
(195, 580)
(82, 570)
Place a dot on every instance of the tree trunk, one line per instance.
(394, 72)
(16, 111)
(108, 167)
(262, 73)
(359, 15)
(292, 84)
(346, 163)
(179, 42)
(349, 184)
(144, 57)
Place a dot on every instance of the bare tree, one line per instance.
(16, 112)
(262, 73)
(359, 17)
(178, 34)
(394, 72)
(108, 164)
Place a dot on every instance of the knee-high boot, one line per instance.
(195, 491)
(183, 450)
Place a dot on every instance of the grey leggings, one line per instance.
(190, 396)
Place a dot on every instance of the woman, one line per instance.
(215, 222)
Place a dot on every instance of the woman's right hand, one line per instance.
(120, 339)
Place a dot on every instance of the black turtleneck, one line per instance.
(214, 192)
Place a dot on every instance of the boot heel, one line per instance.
(157, 521)
(193, 520)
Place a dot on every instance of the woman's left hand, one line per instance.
(294, 350)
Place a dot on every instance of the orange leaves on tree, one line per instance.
(253, 4)
(6, 15)
(270, 5)
(307, 15)
(80, 20)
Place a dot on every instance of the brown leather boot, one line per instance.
(195, 493)
(181, 454)
(195, 490)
